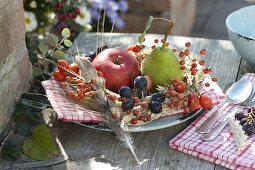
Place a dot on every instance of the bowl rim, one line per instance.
(231, 29)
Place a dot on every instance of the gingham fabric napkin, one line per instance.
(222, 150)
(66, 109)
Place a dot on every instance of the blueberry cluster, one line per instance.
(126, 94)
(247, 121)
(155, 103)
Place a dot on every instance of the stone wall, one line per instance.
(15, 68)
(182, 12)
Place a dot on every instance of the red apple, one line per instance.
(119, 68)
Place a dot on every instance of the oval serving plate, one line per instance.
(160, 123)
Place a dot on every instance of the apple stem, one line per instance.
(118, 58)
(166, 34)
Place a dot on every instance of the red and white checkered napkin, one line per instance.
(66, 109)
(222, 150)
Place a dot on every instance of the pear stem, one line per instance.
(166, 34)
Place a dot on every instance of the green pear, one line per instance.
(162, 65)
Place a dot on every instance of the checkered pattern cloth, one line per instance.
(222, 150)
(66, 109)
(69, 110)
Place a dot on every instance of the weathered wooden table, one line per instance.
(94, 149)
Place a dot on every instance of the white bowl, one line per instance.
(241, 31)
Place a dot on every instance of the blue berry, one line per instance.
(155, 107)
(248, 128)
(141, 94)
(159, 97)
(239, 115)
(125, 91)
(243, 121)
(140, 83)
(92, 55)
(127, 105)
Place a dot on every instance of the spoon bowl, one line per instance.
(239, 92)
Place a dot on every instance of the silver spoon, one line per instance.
(236, 94)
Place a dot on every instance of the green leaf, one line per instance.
(141, 38)
(68, 43)
(58, 54)
(36, 71)
(23, 128)
(147, 26)
(43, 48)
(11, 151)
(52, 40)
(66, 33)
(40, 145)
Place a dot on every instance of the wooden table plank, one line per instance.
(89, 148)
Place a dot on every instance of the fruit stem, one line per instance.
(166, 34)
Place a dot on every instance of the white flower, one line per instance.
(84, 18)
(30, 21)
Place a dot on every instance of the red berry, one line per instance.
(145, 105)
(156, 40)
(136, 112)
(186, 52)
(182, 62)
(193, 101)
(59, 76)
(136, 100)
(214, 79)
(174, 50)
(205, 101)
(148, 117)
(207, 84)
(202, 52)
(181, 54)
(153, 46)
(194, 65)
(133, 121)
(194, 60)
(93, 81)
(201, 62)
(183, 67)
(74, 67)
(187, 44)
(62, 65)
(180, 88)
(173, 93)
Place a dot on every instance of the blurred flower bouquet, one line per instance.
(78, 15)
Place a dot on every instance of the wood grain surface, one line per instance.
(93, 149)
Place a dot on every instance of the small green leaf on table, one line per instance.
(43, 48)
(11, 151)
(52, 39)
(68, 43)
(40, 145)
(66, 33)
(36, 71)
(58, 54)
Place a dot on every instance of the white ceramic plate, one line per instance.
(160, 123)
